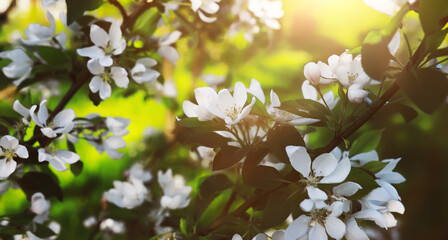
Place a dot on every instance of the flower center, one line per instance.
(9, 154)
(107, 77)
(108, 50)
(233, 112)
(317, 216)
(352, 76)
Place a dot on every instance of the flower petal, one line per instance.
(98, 36)
(346, 189)
(316, 194)
(324, 165)
(318, 232)
(67, 156)
(300, 159)
(340, 173)
(354, 232)
(335, 227)
(297, 228)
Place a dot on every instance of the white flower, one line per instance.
(230, 108)
(277, 235)
(138, 172)
(247, 23)
(256, 90)
(318, 224)
(23, 111)
(21, 66)
(324, 169)
(213, 80)
(106, 44)
(142, 71)
(353, 231)
(267, 11)
(41, 207)
(109, 145)
(175, 193)
(90, 222)
(356, 93)
(207, 155)
(37, 34)
(9, 149)
(312, 73)
(116, 227)
(166, 50)
(57, 158)
(207, 6)
(128, 195)
(204, 97)
(62, 122)
(389, 7)
(103, 77)
(117, 126)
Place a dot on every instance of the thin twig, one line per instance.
(120, 8)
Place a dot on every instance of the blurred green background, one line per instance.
(311, 30)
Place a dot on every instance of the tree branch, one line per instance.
(120, 8)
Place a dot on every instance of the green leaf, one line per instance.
(200, 138)
(375, 51)
(52, 56)
(368, 141)
(210, 188)
(258, 108)
(342, 95)
(228, 156)
(262, 177)
(282, 136)
(374, 166)
(43, 231)
(426, 87)
(146, 23)
(76, 168)
(211, 125)
(76, 8)
(390, 109)
(279, 205)
(364, 179)
(183, 226)
(433, 15)
(33, 182)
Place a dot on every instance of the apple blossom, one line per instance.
(138, 172)
(105, 45)
(57, 158)
(166, 50)
(128, 195)
(62, 122)
(23, 111)
(10, 149)
(356, 93)
(213, 80)
(142, 71)
(204, 97)
(37, 34)
(256, 90)
(267, 11)
(114, 226)
(325, 169)
(175, 193)
(117, 126)
(41, 207)
(312, 73)
(247, 23)
(205, 6)
(103, 77)
(21, 66)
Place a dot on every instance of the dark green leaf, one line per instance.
(281, 136)
(390, 109)
(214, 184)
(211, 125)
(43, 231)
(95, 98)
(34, 182)
(76, 168)
(433, 15)
(368, 141)
(183, 226)
(52, 56)
(76, 8)
(427, 88)
(200, 138)
(228, 156)
(262, 177)
(364, 179)
(280, 204)
(374, 166)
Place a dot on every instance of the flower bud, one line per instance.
(356, 93)
(312, 73)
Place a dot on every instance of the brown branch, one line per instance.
(120, 8)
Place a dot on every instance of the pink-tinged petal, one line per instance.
(22, 152)
(105, 90)
(346, 189)
(317, 232)
(91, 52)
(340, 173)
(324, 165)
(98, 36)
(95, 84)
(275, 100)
(300, 159)
(256, 90)
(297, 228)
(67, 156)
(169, 53)
(316, 194)
(7, 168)
(95, 67)
(354, 232)
(335, 227)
